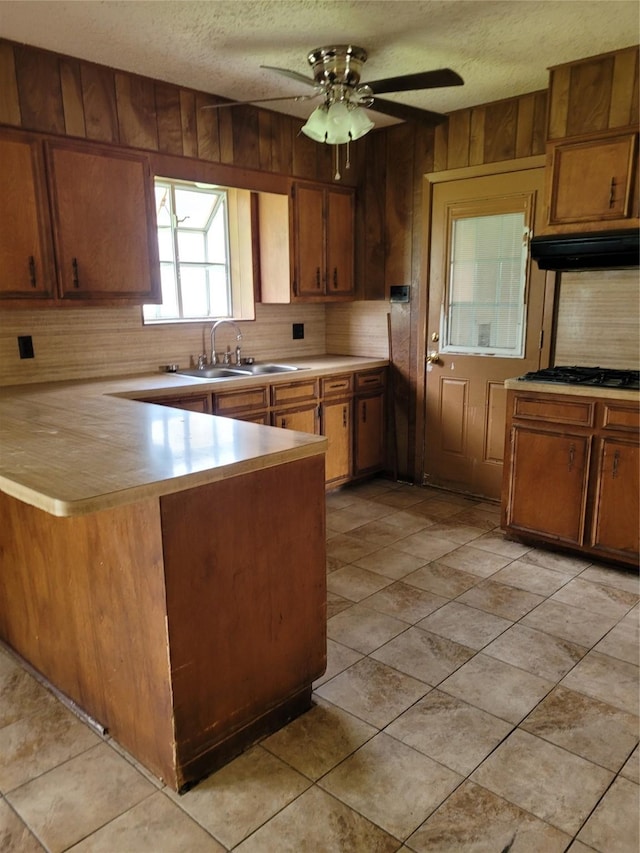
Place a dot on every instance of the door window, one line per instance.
(486, 283)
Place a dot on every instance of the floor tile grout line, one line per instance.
(545, 597)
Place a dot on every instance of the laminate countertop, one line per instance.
(71, 448)
(541, 387)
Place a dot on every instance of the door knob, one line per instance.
(433, 357)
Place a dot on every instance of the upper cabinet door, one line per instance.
(340, 230)
(310, 268)
(592, 181)
(323, 228)
(104, 223)
(27, 269)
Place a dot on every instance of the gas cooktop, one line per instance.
(595, 376)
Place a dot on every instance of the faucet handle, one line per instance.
(202, 361)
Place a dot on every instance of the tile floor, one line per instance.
(478, 694)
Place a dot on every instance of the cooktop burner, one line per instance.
(597, 376)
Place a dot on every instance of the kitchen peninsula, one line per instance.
(164, 569)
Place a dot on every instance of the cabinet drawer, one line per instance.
(240, 401)
(193, 403)
(621, 417)
(575, 412)
(370, 380)
(294, 392)
(333, 385)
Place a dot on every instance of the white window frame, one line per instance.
(240, 268)
(507, 205)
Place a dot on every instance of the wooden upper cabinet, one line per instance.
(592, 144)
(340, 236)
(309, 237)
(323, 231)
(78, 222)
(103, 214)
(592, 181)
(27, 270)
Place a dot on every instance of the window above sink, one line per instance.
(206, 260)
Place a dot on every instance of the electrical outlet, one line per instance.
(298, 331)
(25, 346)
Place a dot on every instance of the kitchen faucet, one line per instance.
(214, 357)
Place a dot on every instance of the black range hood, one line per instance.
(606, 250)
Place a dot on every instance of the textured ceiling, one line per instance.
(500, 47)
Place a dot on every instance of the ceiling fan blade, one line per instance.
(423, 80)
(293, 74)
(260, 101)
(407, 113)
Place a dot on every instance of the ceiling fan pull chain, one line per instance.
(347, 164)
(337, 175)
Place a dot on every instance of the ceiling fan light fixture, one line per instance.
(360, 123)
(338, 124)
(317, 124)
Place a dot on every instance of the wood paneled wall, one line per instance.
(48, 92)
(594, 95)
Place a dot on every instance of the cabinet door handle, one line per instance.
(612, 192)
(74, 266)
(317, 277)
(32, 270)
(614, 468)
(572, 455)
(283, 423)
(335, 277)
(344, 416)
(364, 413)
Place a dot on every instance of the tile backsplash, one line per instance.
(91, 342)
(598, 319)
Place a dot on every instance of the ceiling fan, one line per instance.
(336, 78)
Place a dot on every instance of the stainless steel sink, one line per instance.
(257, 369)
(216, 372)
(213, 372)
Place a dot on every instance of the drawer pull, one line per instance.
(612, 192)
(32, 270)
(616, 461)
(74, 266)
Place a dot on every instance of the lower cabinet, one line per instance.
(303, 419)
(347, 408)
(369, 422)
(617, 507)
(247, 404)
(572, 472)
(195, 403)
(549, 489)
(336, 425)
(295, 406)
